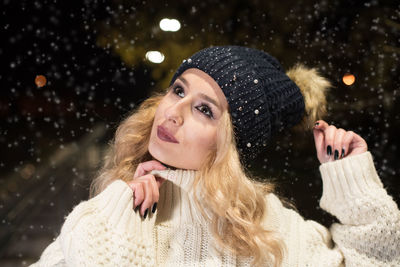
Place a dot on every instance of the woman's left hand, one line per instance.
(332, 143)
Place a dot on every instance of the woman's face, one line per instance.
(186, 121)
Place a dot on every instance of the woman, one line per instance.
(174, 190)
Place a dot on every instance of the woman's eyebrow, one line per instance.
(204, 96)
(184, 81)
(209, 99)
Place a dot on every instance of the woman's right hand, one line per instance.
(146, 186)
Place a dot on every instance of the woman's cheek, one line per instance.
(205, 140)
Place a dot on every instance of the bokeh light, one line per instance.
(170, 25)
(348, 79)
(155, 56)
(40, 81)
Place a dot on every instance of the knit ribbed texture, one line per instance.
(262, 99)
(181, 228)
(105, 231)
(353, 192)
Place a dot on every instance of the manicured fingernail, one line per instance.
(336, 154)
(145, 213)
(154, 207)
(317, 123)
(342, 153)
(329, 150)
(137, 208)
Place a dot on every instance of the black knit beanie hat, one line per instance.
(262, 99)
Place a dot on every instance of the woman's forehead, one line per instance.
(199, 80)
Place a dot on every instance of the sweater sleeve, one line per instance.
(104, 231)
(369, 230)
(52, 256)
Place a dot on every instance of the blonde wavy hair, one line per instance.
(236, 217)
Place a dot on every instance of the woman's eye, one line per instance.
(205, 110)
(179, 91)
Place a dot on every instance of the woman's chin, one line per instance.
(160, 159)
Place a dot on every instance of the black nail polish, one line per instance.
(336, 154)
(342, 153)
(329, 150)
(154, 207)
(145, 213)
(317, 123)
(137, 208)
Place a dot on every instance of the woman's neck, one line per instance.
(166, 165)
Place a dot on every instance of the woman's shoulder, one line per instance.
(274, 201)
(276, 210)
(282, 216)
(116, 196)
(281, 213)
(112, 193)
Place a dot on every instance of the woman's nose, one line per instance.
(175, 113)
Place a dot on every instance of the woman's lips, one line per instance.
(164, 135)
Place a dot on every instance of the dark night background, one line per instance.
(52, 138)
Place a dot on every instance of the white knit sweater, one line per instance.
(105, 230)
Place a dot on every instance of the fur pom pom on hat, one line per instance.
(314, 88)
(263, 100)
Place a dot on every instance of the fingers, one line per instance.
(348, 136)
(319, 139)
(319, 144)
(338, 143)
(330, 142)
(148, 166)
(146, 187)
(321, 125)
(330, 135)
(159, 181)
(145, 194)
(138, 194)
(148, 199)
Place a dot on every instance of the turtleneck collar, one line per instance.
(176, 204)
(180, 177)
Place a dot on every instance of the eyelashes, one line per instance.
(202, 108)
(177, 90)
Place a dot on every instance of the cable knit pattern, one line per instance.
(353, 192)
(105, 230)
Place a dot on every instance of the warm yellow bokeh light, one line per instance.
(348, 79)
(40, 81)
